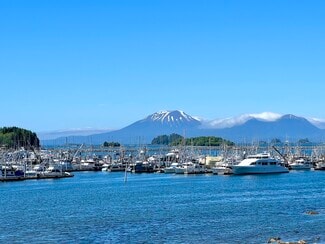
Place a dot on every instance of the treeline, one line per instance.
(304, 141)
(111, 144)
(166, 140)
(14, 138)
(176, 140)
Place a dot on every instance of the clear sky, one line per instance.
(68, 64)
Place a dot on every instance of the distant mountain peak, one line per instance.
(291, 116)
(174, 116)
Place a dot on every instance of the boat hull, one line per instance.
(244, 170)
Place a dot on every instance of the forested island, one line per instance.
(111, 144)
(14, 138)
(176, 140)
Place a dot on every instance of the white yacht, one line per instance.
(261, 163)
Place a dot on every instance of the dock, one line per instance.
(37, 177)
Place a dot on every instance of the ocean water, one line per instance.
(99, 207)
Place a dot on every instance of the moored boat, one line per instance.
(261, 163)
(320, 165)
(10, 173)
(171, 169)
(300, 164)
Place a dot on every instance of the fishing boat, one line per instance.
(222, 169)
(190, 168)
(300, 164)
(10, 173)
(172, 168)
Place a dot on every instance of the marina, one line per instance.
(162, 122)
(61, 162)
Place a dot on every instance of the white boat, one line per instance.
(320, 165)
(190, 168)
(52, 171)
(224, 167)
(300, 164)
(171, 168)
(105, 167)
(221, 169)
(261, 163)
(116, 167)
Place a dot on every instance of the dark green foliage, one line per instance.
(304, 141)
(166, 140)
(111, 144)
(14, 137)
(175, 140)
(204, 141)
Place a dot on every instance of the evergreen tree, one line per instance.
(14, 137)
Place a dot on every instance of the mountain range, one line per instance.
(245, 128)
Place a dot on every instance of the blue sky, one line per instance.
(68, 64)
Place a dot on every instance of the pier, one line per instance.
(38, 177)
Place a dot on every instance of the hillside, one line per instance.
(14, 137)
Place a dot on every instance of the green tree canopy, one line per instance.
(166, 140)
(111, 144)
(175, 140)
(14, 137)
(304, 141)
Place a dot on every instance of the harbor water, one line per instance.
(99, 207)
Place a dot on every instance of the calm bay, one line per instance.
(99, 207)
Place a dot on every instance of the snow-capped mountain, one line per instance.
(165, 122)
(263, 126)
(159, 123)
(173, 118)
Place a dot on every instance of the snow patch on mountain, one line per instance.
(175, 116)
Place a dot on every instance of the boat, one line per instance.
(221, 169)
(10, 173)
(190, 168)
(171, 169)
(300, 164)
(261, 163)
(52, 171)
(224, 167)
(320, 165)
(143, 167)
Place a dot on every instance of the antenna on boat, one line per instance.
(284, 157)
